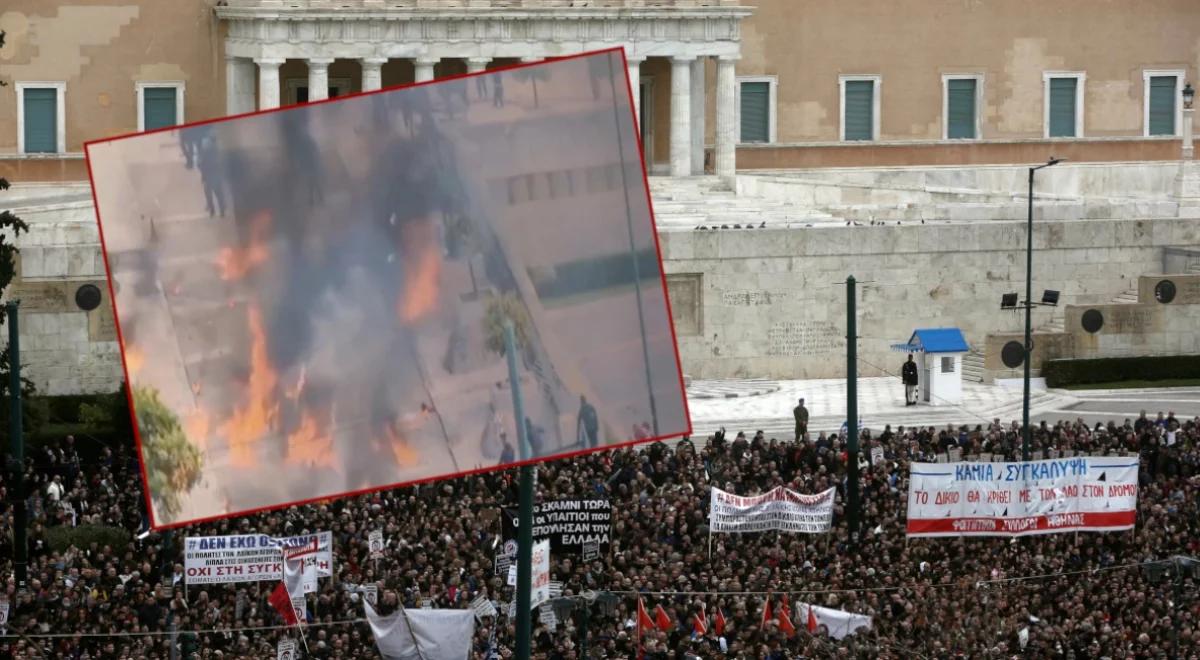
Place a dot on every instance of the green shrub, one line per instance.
(61, 538)
(1062, 373)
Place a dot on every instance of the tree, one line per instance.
(11, 227)
(499, 308)
(532, 74)
(172, 463)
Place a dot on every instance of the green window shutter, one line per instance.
(756, 112)
(1162, 105)
(159, 107)
(41, 120)
(960, 109)
(860, 110)
(1062, 107)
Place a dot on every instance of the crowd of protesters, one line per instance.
(1072, 595)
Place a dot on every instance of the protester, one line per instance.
(935, 598)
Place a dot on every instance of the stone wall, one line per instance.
(64, 350)
(771, 302)
(1129, 330)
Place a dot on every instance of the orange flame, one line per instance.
(134, 359)
(310, 445)
(405, 455)
(196, 428)
(236, 264)
(422, 273)
(250, 423)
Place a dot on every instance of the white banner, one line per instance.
(838, 624)
(3, 612)
(780, 509)
(540, 581)
(286, 650)
(1086, 493)
(423, 634)
(375, 544)
(483, 607)
(252, 557)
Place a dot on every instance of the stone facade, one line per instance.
(772, 301)
(64, 350)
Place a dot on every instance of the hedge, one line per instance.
(1061, 373)
(82, 537)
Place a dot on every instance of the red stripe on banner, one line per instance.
(1062, 522)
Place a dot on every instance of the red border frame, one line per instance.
(348, 494)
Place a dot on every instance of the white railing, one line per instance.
(477, 4)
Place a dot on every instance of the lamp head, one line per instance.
(1189, 96)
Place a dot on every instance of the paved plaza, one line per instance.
(881, 401)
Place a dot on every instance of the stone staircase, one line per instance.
(972, 367)
(1128, 297)
(1058, 322)
(688, 203)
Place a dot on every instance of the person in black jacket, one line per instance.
(908, 374)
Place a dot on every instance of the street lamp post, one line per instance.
(1027, 434)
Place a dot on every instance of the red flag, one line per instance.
(661, 618)
(699, 625)
(281, 600)
(785, 618)
(644, 620)
(766, 613)
(719, 622)
(812, 621)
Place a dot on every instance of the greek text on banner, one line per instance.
(252, 557)
(1079, 494)
(779, 509)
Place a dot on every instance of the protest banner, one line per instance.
(568, 524)
(371, 594)
(540, 582)
(3, 613)
(286, 650)
(780, 509)
(483, 607)
(253, 557)
(1082, 494)
(876, 455)
(375, 544)
(505, 557)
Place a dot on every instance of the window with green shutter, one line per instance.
(1162, 105)
(859, 109)
(756, 112)
(1063, 94)
(41, 120)
(159, 107)
(960, 109)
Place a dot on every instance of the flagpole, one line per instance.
(299, 620)
(411, 633)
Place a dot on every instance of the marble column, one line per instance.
(424, 68)
(268, 82)
(635, 84)
(1189, 148)
(681, 116)
(697, 116)
(477, 64)
(239, 85)
(318, 78)
(372, 73)
(727, 130)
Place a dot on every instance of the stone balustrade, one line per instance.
(478, 4)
